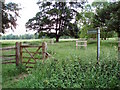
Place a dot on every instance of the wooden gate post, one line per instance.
(44, 49)
(17, 53)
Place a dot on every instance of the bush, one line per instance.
(70, 73)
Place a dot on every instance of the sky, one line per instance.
(29, 10)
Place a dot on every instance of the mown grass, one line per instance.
(70, 68)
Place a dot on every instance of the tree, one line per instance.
(9, 16)
(55, 17)
(86, 17)
(25, 36)
(108, 17)
(97, 6)
(84, 20)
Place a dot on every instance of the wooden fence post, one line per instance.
(52, 41)
(85, 43)
(17, 53)
(44, 49)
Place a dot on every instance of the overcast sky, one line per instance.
(29, 9)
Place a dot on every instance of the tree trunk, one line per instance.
(104, 38)
(57, 38)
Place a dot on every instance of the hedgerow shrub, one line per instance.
(72, 73)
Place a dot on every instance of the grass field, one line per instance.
(68, 67)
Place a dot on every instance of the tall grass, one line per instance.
(71, 68)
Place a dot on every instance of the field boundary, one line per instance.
(17, 57)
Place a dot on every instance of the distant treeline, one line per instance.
(25, 36)
(31, 36)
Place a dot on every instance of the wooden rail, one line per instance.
(10, 55)
(32, 52)
(29, 62)
(30, 57)
(30, 46)
(18, 57)
(7, 48)
(8, 59)
(79, 43)
(8, 62)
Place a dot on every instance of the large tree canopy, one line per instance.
(86, 17)
(84, 20)
(9, 15)
(56, 17)
(108, 17)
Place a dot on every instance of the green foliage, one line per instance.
(16, 37)
(105, 34)
(71, 68)
(108, 17)
(84, 19)
(71, 73)
(21, 68)
(10, 15)
(56, 17)
(88, 19)
(84, 30)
